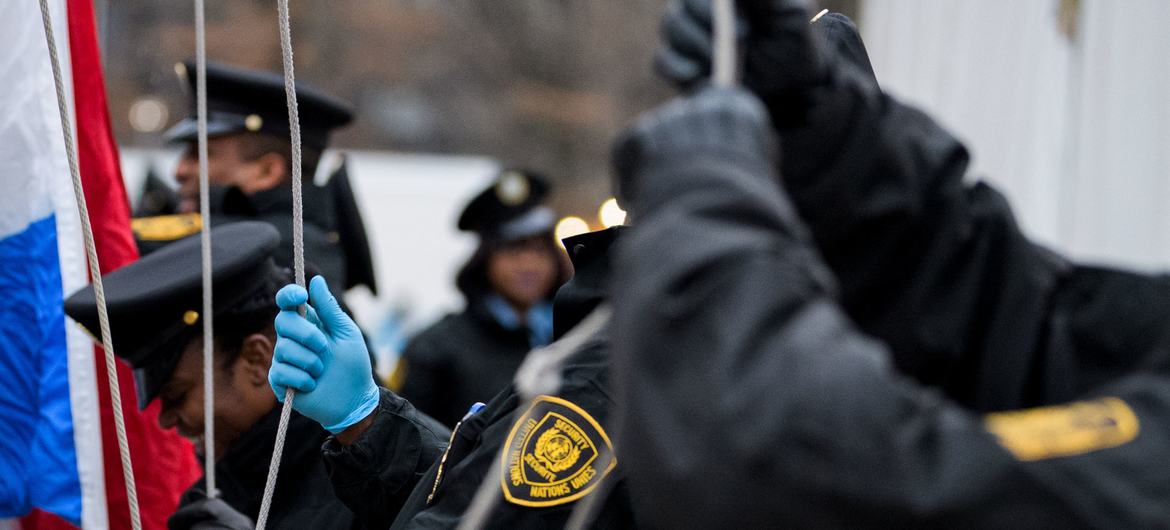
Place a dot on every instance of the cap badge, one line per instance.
(253, 122)
(512, 189)
(190, 318)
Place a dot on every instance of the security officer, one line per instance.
(934, 266)
(249, 167)
(154, 308)
(508, 283)
(719, 286)
(558, 449)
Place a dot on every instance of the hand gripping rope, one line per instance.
(94, 272)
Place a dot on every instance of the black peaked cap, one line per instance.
(510, 208)
(154, 304)
(240, 100)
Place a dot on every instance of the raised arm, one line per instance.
(881, 187)
(719, 287)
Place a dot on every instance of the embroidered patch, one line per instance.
(555, 454)
(1067, 430)
(166, 227)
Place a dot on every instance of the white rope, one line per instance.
(541, 373)
(94, 271)
(725, 54)
(294, 125)
(205, 244)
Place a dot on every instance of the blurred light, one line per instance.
(571, 226)
(148, 115)
(611, 214)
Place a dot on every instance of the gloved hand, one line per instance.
(725, 123)
(322, 356)
(782, 61)
(208, 514)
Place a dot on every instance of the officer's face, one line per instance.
(242, 394)
(523, 271)
(227, 165)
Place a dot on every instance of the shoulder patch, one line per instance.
(556, 453)
(166, 227)
(1066, 430)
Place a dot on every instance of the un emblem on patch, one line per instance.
(556, 453)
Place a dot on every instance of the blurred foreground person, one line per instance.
(556, 450)
(508, 285)
(719, 286)
(249, 169)
(934, 266)
(154, 306)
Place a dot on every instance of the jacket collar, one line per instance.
(590, 283)
(274, 201)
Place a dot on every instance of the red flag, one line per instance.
(164, 462)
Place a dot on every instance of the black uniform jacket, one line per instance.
(303, 497)
(938, 269)
(750, 400)
(464, 358)
(274, 206)
(323, 247)
(377, 473)
(583, 407)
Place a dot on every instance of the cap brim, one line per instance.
(535, 222)
(188, 130)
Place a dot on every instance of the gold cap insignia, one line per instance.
(1065, 430)
(166, 227)
(181, 70)
(513, 188)
(253, 122)
(190, 318)
(556, 453)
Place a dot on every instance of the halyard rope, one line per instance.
(294, 126)
(95, 272)
(205, 246)
(724, 58)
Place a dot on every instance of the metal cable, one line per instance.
(205, 244)
(725, 55)
(94, 271)
(294, 125)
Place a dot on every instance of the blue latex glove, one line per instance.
(322, 356)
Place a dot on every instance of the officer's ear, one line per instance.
(273, 169)
(256, 358)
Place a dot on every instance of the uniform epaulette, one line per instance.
(166, 227)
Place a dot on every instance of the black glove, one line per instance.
(782, 60)
(209, 514)
(727, 124)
